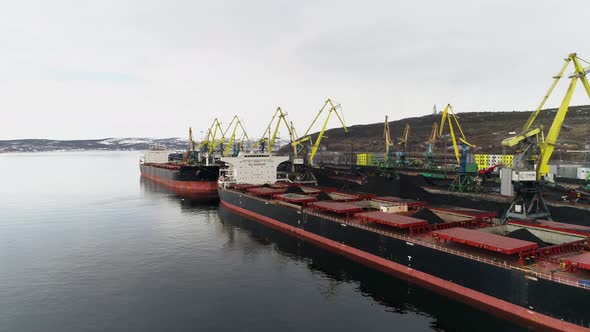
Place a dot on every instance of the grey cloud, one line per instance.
(194, 60)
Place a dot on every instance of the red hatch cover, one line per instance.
(556, 226)
(295, 198)
(408, 202)
(336, 207)
(364, 195)
(391, 219)
(265, 191)
(315, 190)
(484, 240)
(343, 197)
(480, 214)
(581, 261)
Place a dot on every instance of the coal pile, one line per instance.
(324, 197)
(294, 190)
(526, 235)
(429, 216)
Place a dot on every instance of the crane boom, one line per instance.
(315, 145)
(237, 124)
(405, 136)
(191, 142)
(387, 138)
(433, 134)
(281, 118)
(448, 115)
(431, 142)
(211, 141)
(556, 79)
(548, 144)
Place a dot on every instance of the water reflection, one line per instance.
(394, 294)
(391, 294)
(187, 201)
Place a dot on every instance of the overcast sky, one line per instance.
(93, 69)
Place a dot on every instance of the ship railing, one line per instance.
(495, 262)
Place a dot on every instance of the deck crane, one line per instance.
(237, 124)
(333, 108)
(211, 141)
(270, 135)
(449, 116)
(531, 165)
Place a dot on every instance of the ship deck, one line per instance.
(470, 233)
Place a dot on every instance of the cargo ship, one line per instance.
(536, 273)
(171, 170)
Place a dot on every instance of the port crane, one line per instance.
(331, 107)
(191, 155)
(270, 135)
(430, 144)
(449, 116)
(403, 141)
(210, 142)
(465, 179)
(531, 165)
(387, 139)
(237, 124)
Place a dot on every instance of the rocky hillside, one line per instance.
(484, 129)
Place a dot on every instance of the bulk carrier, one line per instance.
(174, 172)
(536, 273)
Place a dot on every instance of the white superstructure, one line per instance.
(251, 168)
(157, 154)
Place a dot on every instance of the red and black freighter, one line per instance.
(536, 273)
(169, 169)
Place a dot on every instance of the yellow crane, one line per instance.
(433, 134)
(387, 139)
(531, 165)
(449, 116)
(191, 142)
(270, 135)
(403, 141)
(210, 142)
(431, 142)
(191, 155)
(546, 143)
(333, 108)
(236, 124)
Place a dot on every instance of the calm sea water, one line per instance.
(85, 245)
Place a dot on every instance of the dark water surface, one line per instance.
(86, 246)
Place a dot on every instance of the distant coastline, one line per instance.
(105, 144)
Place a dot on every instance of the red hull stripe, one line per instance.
(528, 318)
(186, 187)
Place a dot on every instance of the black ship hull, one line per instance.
(184, 180)
(447, 271)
